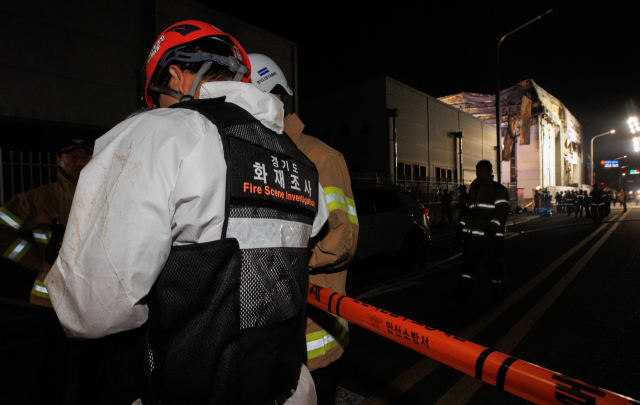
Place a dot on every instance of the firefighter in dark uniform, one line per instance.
(580, 203)
(568, 202)
(484, 228)
(587, 204)
(597, 204)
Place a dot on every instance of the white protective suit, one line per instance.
(156, 180)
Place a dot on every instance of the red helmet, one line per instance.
(182, 33)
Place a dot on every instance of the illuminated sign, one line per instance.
(610, 163)
(634, 171)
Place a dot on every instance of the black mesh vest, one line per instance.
(227, 318)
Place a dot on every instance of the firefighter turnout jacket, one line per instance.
(173, 191)
(487, 211)
(27, 229)
(328, 335)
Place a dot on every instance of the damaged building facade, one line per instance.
(541, 141)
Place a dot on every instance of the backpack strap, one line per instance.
(222, 115)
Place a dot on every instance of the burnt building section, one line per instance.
(542, 144)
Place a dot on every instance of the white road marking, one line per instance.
(467, 386)
(405, 381)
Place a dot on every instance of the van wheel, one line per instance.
(415, 250)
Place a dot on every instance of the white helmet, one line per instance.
(268, 77)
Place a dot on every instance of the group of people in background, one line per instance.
(596, 204)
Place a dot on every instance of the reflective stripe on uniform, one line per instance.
(483, 206)
(320, 342)
(501, 202)
(337, 200)
(253, 233)
(479, 232)
(42, 236)
(495, 221)
(39, 289)
(17, 249)
(9, 219)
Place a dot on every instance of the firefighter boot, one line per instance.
(498, 291)
(464, 288)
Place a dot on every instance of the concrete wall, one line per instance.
(79, 62)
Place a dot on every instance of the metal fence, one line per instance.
(22, 171)
(426, 190)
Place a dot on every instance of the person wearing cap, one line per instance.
(194, 221)
(327, 336)
(29, 218)
(31, 228)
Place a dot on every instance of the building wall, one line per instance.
(425, 128)
(355, 122)
(424, 136)
(79, 62)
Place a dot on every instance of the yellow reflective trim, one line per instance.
(337, 205)
(334, 190)
(17, 250)
(353, 219)
(10, 219)
(41, 236)
(315, 336)
(39, 289)
(320, 342)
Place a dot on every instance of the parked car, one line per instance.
(391, 220)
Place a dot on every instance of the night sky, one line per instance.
(587, 57)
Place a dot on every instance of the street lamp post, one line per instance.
(613, 131)
(634, 126)
(498, 118)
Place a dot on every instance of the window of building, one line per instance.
(423, 173)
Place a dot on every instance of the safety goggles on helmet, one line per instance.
(169, 48)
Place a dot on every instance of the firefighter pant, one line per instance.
(326, 381)
(68, 361)
(597, 213)
(487, 251)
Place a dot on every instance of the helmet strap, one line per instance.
(196, 82)
(166, 90)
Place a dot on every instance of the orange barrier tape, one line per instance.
(526, 380)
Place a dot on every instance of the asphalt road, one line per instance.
(573, 307)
